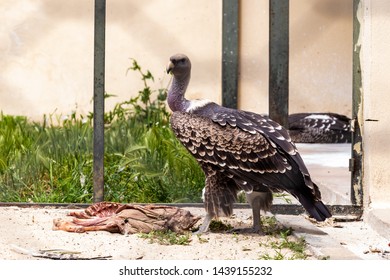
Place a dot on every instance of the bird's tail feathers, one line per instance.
(316, 208)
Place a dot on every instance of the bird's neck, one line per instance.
(176, 99)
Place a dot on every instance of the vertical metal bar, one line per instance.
(356, 166)
(230, 53)
(98, 101)
(278, 60)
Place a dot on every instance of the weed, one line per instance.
(286, 197)
(285, 247)
(201, 239)
(271, 226)
(167, 237)
(219, 226)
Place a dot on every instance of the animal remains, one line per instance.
(127, 219)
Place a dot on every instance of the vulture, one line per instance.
(238, 151)
(319, 128)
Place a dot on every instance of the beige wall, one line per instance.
(375, 56)
(320, 56)
(45, 55)
(46, 52)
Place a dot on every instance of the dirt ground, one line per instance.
(30, 229)
(24, 231)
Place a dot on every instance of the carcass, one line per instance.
(127, 219)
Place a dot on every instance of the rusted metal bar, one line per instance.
(230, 53)
(98, 101)
(356, 166)
(278, 60)
(277, 209)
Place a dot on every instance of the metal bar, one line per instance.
(230, 53)
(356, 166)
(352, 211)
(98, 101)
(278, 60)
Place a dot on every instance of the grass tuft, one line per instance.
(167, 237)
(283, 244)
(219, 226)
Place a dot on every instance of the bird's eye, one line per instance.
(182, 60)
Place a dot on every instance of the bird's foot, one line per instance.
(204, 227)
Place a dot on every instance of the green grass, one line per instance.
(219, 226)
(286, 247)
(52, 161)
(167, 237)
(283, 245)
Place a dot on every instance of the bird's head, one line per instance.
(179, 65)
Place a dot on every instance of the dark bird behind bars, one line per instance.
(319, 128)
(238, 150)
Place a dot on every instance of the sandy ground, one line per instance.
(31, 229)
(361, 240)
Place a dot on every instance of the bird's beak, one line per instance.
(170, 67)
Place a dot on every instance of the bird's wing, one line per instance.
(255, 124)
(240, 153)
(323, 121)
(277, 136)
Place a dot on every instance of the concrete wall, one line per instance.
(320, 56)
(375, 59)
(46, 52)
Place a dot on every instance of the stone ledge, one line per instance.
(379, 220)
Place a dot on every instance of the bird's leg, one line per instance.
(258, 201)
(205, 225)
(256, 219)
